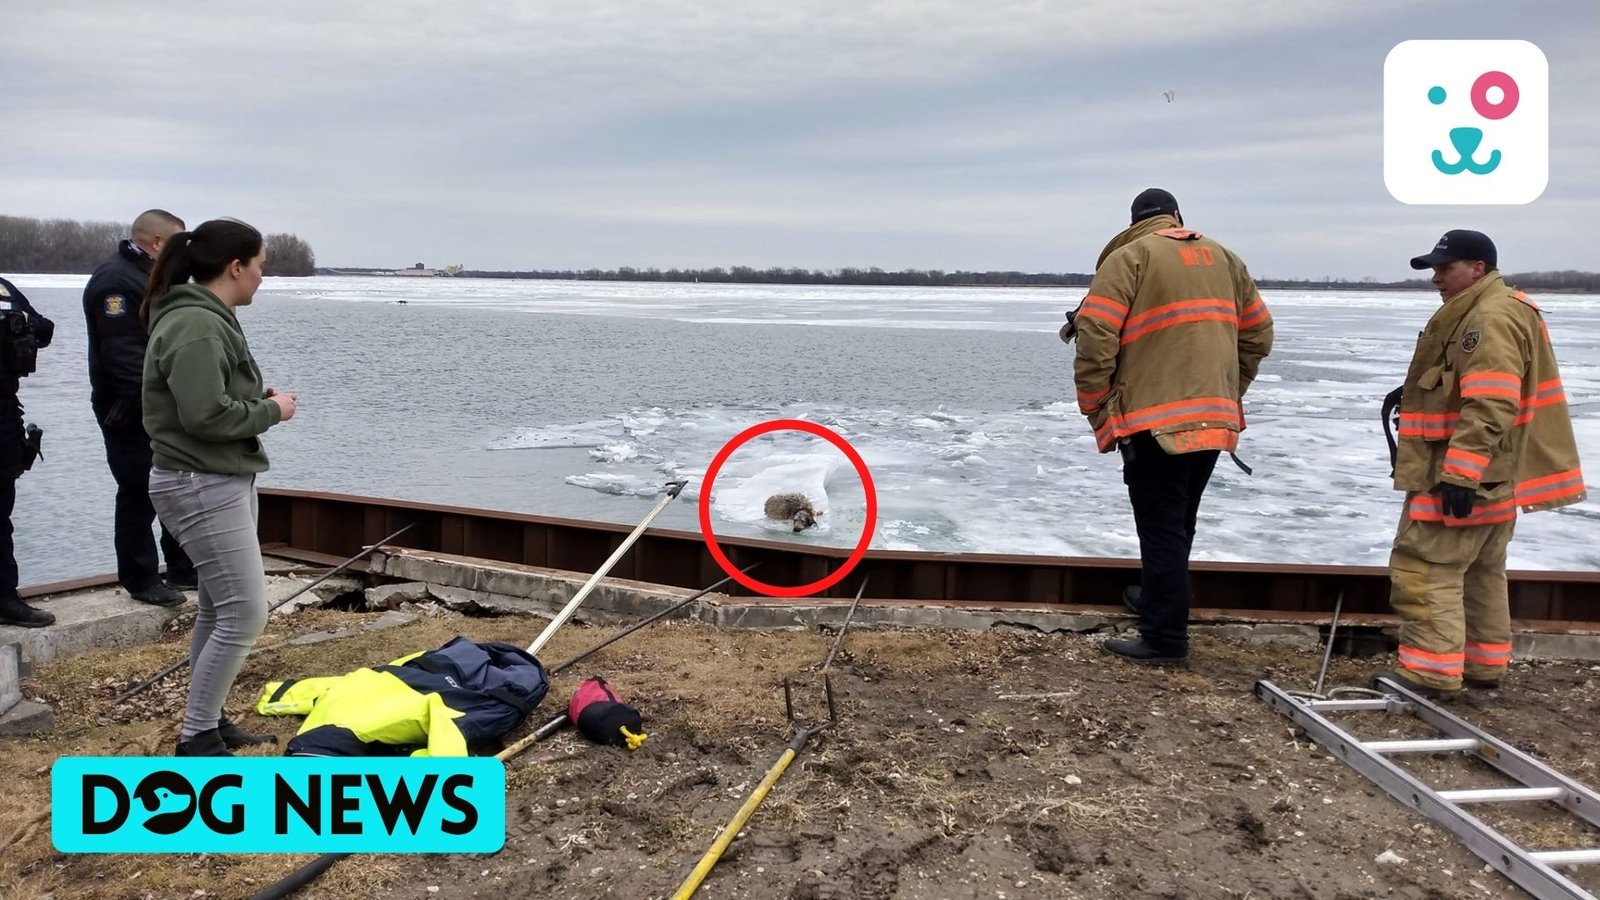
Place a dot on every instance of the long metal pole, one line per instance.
(673, 488)
(731, 830)
(848, 616)
(1327, 654)
(141, 686)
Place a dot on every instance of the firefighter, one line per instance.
(1484, 431)
(1170, 336)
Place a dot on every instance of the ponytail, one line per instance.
(199, 255)
(172, 267)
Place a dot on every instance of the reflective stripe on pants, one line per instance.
(1448, 585)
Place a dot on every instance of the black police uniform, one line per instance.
(22, 332)
(116, 374)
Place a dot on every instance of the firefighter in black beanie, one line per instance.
(22, 332)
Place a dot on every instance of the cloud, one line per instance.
(935, 134)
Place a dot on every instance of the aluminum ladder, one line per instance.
(1531, 870)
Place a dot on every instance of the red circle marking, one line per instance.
(1480, 95)
(710, 537)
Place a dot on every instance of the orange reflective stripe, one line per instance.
(1106, 434)
(1491, 384)
(1178, 234)
(1181, 313)
(1550, 487)
(1428, 426)
(1255, 312)
(1105, 309)
(1440, 426)
(1203, 411)
(1547, 393)
(1205, 439)
(1465, 463)
(1488, 654)
(1427, 508)
(1200, 409)
(1450, 665)
(1088, 402)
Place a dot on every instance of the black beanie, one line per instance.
(1153, 202)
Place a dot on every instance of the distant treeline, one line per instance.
(779, 275)
(1568, 281)
(66, 246)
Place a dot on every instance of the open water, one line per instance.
(581, 398)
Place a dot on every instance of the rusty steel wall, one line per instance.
(340, 525)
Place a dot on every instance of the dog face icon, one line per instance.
(1466, 122)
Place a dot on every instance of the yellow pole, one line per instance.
(692, 883)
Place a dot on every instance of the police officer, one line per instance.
(22, 332)
(116, 371)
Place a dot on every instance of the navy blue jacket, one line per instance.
(116, 339)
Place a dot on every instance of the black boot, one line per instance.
(206, 743)
(183, 581)
(1136, 650)
(236, 737)
(1429, 692)
(158, 594)
(14, 612)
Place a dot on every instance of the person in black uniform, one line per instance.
(22, 332)
(116, 373)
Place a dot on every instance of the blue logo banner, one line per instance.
(292, 804)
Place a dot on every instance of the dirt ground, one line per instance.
(963, 765)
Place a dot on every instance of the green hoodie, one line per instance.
(203, 397)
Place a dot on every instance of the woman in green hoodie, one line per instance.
(204, 408)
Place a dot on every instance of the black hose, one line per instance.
(1391, 406)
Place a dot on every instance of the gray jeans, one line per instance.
(214, 518)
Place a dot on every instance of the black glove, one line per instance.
(124, 412)
(1456, 500)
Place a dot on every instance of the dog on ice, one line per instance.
(793, 507)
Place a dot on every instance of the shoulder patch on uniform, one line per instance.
(116, 306)
(4, 292)
(1469, 342)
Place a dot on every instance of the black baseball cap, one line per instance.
(1459, 244)
(1153, 202)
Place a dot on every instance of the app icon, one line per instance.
(1466, 122)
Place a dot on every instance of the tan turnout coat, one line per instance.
(1169, 338)
(1483, 407)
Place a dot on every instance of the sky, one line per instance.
(942, 134)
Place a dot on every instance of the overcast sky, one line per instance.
(952, 134)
